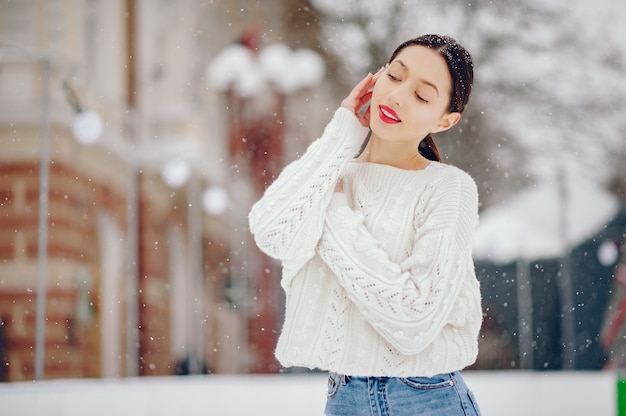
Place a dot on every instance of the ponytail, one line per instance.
(428, 149)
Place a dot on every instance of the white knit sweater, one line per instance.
(379, 278)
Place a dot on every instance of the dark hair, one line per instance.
(461, 69)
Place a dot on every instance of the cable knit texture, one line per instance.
(379, 278)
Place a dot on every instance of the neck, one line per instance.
(399, 154)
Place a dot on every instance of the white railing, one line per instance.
(499, 393)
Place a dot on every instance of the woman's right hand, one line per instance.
(360, 96)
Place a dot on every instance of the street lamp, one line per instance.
(246, 73)
(87, 125)
(177, 172)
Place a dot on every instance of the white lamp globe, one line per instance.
(176, 172)
(215, 200)
(87, 127)
(608, 253)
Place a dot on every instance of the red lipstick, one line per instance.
(387, 115)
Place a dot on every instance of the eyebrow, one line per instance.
(421, 80)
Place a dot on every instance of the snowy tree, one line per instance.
(548, 92)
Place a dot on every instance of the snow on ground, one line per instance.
(499, 393)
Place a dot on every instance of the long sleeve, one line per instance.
(410, 302)
(287, 221)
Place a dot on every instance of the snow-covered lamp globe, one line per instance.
(176, 172)
(235, 67)
(275, 63)
(289, 71)
(250, 82)
(87, 127)
(310, 66)
(247, 74)
(273, 58)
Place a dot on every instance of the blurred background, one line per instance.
(136, 134)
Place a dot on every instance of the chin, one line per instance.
(380, 129)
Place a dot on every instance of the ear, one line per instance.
(447, 121)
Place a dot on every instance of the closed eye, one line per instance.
(419, 97)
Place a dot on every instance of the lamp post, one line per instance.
(194, 234)
(243, 72)
(31, 57)
(564, 281)
(42, 243)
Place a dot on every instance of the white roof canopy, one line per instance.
(543, 221)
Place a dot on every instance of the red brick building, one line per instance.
(138, 279)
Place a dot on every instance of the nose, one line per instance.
(397, 95)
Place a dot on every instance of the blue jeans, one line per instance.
(440, 395)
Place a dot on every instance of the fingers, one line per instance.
(362, 87)
(369, 81)
(366, 116)
(361, 95)
(377, 75)
(365, 98)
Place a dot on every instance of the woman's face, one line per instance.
(411, 97)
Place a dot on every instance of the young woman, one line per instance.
(376, 250)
